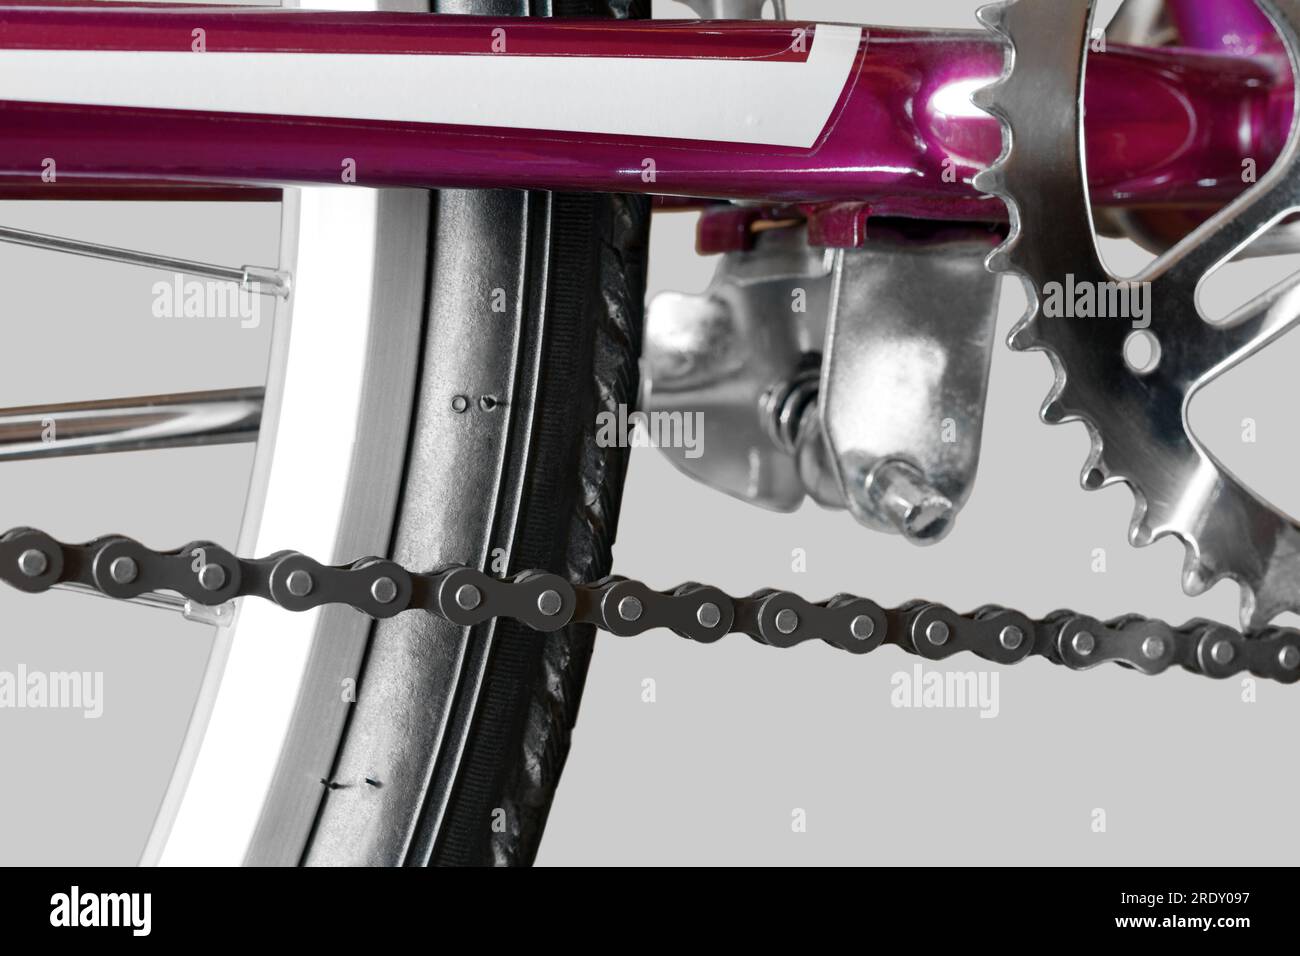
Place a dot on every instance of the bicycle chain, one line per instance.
(205, 573)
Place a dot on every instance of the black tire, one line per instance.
(453, 749)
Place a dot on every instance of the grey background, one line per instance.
(740, 735)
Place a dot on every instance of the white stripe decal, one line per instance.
(738, 101)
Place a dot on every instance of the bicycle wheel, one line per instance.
(502, 323)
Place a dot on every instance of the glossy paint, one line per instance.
(1167, 127)
(1231, 26)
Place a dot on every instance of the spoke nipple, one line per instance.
(1153, 648)
(299, 583)
(468, 597)
(862, 627)
(33, 563)
(212, 577)
(709, 615)
(384, 590)
(786, 621)
(1011, 637)
(630, 609)
(123, 570)
(1084, 643)
(549, 602)
(1222, 652)
(937, 633)
(1289, 657)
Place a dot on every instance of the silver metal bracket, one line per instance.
(855, 377)
(726, 356)
(908, 346)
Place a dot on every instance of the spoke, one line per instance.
(131, 424)
(260, 279)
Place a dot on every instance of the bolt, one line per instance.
(937, 633)
(384, 590)
(629, 609)
(33, 563)
(862, 627)
(786, 621)
(1011, 637)
(549, 602)
(123, 570)
(708, 615)
(1084, 643)
(468, 597)
(900, 493)
(212, 577)
(459, 404)
(1153, 648)
(299, 583)
(1222, 652)
(1289, 657)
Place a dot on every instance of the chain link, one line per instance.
(205, 573)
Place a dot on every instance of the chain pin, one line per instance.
(937, 633)
(1153, 648)
(786, 621)
(123, 570)
(630, 609)
(384, 590)
(299, 583)
(708, 614)
(862, 627)
(1222, 652)
(549, 602)
(1084, 643)
(1011, 637)
(212, 577)
(468, 597)
(1289, 657)
(33, 563)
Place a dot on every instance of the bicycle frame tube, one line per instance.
(782, 112)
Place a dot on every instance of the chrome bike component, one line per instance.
(731, 356)
(908, 347)
(257, 279)
(466, 596)
(846, 376)
(1137, 417)
(131, 424)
